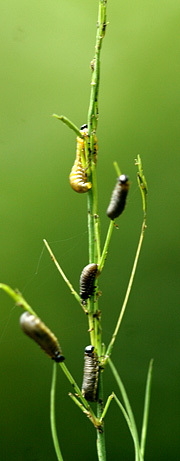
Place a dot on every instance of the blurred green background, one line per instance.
(46, 49)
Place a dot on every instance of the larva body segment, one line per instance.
(87, 280)
(42, 335)
(91, 374)
(77, 177)
(118, 198)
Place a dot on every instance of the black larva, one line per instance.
(91, 375)
(42, 335)
(118, 198)
(87, 279)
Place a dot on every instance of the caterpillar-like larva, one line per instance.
(42, 335)
(91, 374)
(87, 280)
(118, 198)
(78, 177)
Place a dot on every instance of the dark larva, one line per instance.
(37, 330)
(91, 374)
(87, 279)
(118, 198)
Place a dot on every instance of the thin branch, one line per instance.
(69, 124)
(18, 298)
(106, 245)
(52, 415)
(109, 349)
(73, 291)
(146, 407)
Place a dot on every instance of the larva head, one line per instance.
(123, 179)
(58, 357)
(89, 350)
(83, 127)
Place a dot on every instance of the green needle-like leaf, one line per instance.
(52, 414)
(132, 424)
(146, 407)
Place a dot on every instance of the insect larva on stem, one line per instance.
(78, 177)
(91, 374)
(118, 198)
(87, 280)
(42, 335)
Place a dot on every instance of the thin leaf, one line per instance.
(129, 411)
(116, 166)
(52, 414)
(146, 407)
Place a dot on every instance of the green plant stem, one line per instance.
(96, 423)
(91, 321)
(106, 245)
(69, 124)
(146, 407)
(106, 406)
(52, 414)
(101, 25)
(93, 225)
(124, 412)
(109, 349)
(96, 218)
(18, 298)
(116, 166)
(90, 223)
(73, 291)
(101, 447)
(76, 388)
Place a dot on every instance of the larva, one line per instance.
(118, 198)
(42, 335)
(77, 177)
(91, 374)
(87, 279)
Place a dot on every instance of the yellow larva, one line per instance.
(78, 177)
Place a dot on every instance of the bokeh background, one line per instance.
(46, 49)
